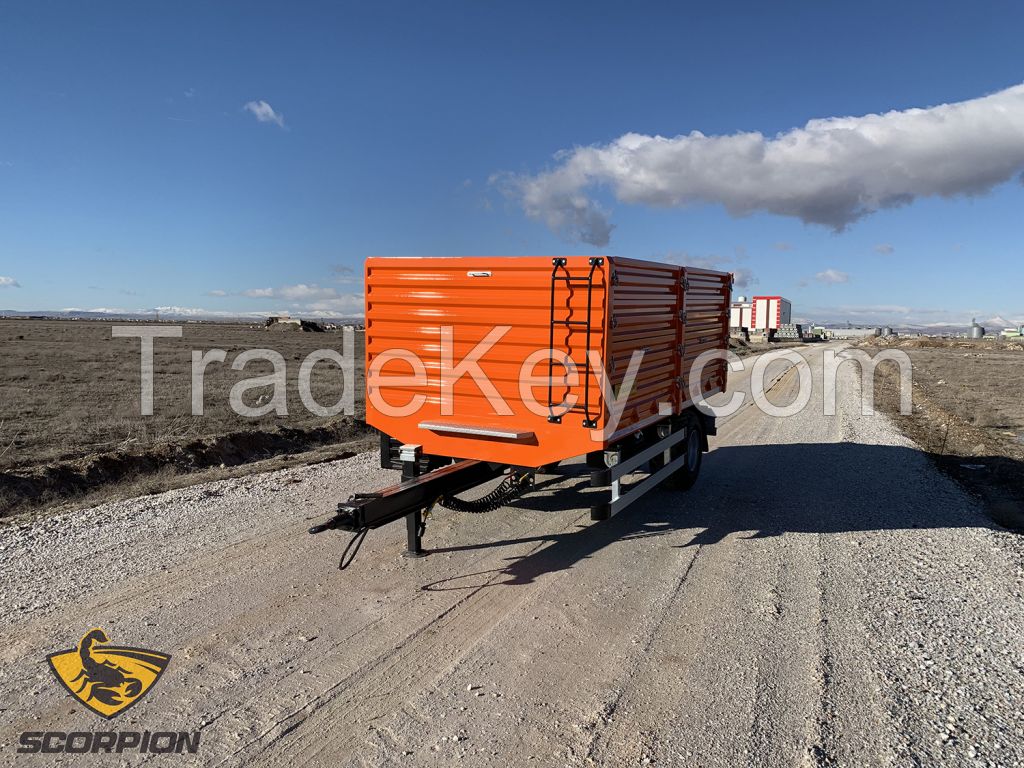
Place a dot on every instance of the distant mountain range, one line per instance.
(181, 314)
(991, 325)
(942, 330)
(173, 314)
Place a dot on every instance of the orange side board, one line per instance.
(425, 316)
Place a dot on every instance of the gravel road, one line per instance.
(822, 597)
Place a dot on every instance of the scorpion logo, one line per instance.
(107, 678)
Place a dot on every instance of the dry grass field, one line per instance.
(71, 428)
(968, 414)
(70, 392)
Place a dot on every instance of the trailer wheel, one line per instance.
(684, 478)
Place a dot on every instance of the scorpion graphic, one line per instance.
(103, 678)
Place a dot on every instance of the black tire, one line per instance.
(692, 445)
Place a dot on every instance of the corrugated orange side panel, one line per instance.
(708, 294)
(412, 302)
(416, 307)
(645, 317)
(672, 314)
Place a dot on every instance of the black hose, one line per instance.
(354, 544)
(511, 488)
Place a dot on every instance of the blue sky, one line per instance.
(133, 176)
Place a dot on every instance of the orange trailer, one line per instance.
(518, 363)
(592, 313)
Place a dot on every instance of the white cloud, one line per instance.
(897, 314)
(832, 171)
(884, 248)
(743, 277)
(193, 312)
(345, 274)
(348, 304)
(9, 282)
(310, 296)
(303, 292)
(217, 292)
(832, 276)
(885, 309)
(265, 113)
(685, 258)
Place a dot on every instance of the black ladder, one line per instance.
(560, 263)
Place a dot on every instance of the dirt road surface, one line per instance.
(822, 597)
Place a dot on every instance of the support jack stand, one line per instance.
(411, 499)
(414, 528)
(414, 523)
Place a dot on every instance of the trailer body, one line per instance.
(551, 341)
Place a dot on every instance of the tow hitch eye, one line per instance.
(344, 520)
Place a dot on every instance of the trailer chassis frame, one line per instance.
(412, 498)
(617, 467)
(422, 487)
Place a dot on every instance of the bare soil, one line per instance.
(968, 415)
(742, 348)
(70, 409)
(823, 596)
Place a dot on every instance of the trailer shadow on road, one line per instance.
(757, 491)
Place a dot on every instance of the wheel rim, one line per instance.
(692, 450)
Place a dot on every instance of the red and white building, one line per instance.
(770, 312)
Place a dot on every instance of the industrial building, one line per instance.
(762, 314)
(771, 312)
(850, 332)
(740, 314)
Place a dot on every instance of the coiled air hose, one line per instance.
(510, 489)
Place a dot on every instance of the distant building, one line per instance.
(286, 323)
(770, 312)
(740, 314)
(282, 320)
(852, 333)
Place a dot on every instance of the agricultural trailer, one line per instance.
(554, 339)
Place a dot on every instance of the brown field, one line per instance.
(70, 395)
(742, 348)
(71, 429)
(968, 414)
